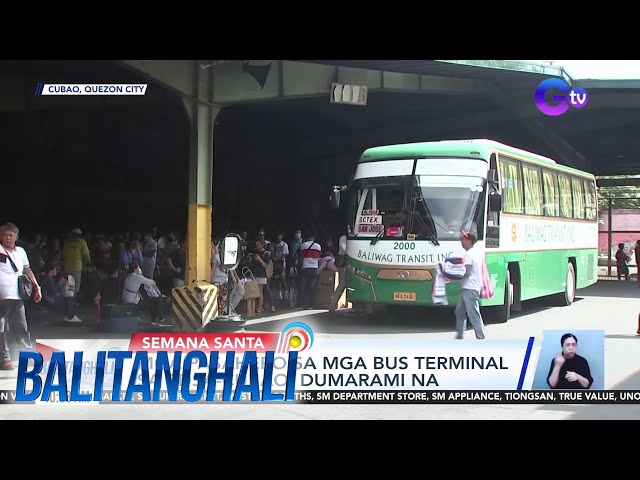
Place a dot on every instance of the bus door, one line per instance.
(493, 215)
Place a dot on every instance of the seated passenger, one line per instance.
(131, 294)
(109, 293)
(58, 293)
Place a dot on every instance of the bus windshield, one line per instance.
(444, 205)
(430, 207)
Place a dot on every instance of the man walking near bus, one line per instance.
(470, 286)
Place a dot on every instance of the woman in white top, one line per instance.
(220, 278)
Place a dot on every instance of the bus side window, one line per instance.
(566, 200)
(551, 193)
(591, 204)
(512, 185)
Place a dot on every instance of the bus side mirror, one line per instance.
(230, 251)
(334, 198)
(492, 177)
(495, 201)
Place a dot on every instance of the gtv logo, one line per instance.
(577, 97)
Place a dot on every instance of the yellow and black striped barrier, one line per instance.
(194, 306)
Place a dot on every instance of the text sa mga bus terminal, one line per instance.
(406, 205)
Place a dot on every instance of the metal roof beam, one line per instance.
(516, 66)
(356, 139)
(619, 182)
(563, 152)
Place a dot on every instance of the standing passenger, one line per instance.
(341, 265)
(75, 254)
(471, 283)
(308, 256)
(621, 262)
(13, 319)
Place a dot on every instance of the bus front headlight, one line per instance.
(359, 273)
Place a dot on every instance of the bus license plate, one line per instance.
(405, 296)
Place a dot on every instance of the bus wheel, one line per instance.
(502, 313)
(567, 297)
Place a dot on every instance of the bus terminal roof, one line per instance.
(604, 132)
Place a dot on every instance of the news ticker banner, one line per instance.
(403, 397)
(43, 89)
(288, 366)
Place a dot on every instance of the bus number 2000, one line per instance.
(404, 246)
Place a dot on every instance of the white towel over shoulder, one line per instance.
(453, 271)
(439, 292)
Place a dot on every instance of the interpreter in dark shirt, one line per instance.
(569, 370)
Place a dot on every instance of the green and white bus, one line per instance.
(536, 220)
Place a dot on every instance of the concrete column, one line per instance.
(609, 237)
(202, 113)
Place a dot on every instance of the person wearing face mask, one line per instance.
(295, 243)
(132, 283)
(131, 293)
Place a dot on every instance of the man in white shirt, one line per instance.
(13, 263)
(468, 303)
(308, 256)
